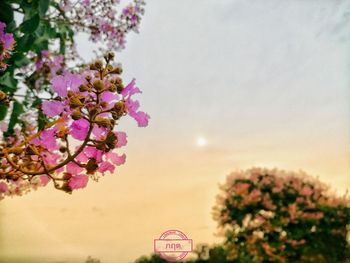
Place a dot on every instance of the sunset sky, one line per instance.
(228, 84)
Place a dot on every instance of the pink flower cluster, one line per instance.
(100, 19)
(84, 112)
(49, 63)
(267, 208)
(6, 45)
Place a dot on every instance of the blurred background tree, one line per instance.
(277, 216)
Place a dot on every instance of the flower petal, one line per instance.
(79, 129)
(52, 108)
(78, 181)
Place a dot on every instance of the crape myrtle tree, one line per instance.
(59, 115)
(271, 215)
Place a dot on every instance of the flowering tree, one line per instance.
(277, 216)
(59, 115)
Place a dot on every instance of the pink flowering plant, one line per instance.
(278, 216)
(59, 122)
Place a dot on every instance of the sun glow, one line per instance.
(201, 141)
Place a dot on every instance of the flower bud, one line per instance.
(104, 104)
(118, 80)
(103, 122)
(98, 64)
(66, 176)
(88, 77)
(111, 140)
(83, 88)
(109, 67)
(110, 55)
(75, 102)
(70, 93)
(112, 88)
(65, 187)
(117, 70)
(76, 115)
(91, 166)
(119, 106)
(92, 112)
(63, 149)
(98, 85)
(101, 146)
(120, 88)
(116, 115)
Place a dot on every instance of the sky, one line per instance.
(228, 84)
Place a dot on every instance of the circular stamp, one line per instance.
(173, 245)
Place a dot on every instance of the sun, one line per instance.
(201, 141)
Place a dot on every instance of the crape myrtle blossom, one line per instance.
(271, 215)
(86, 108)
(100, 19)
(6, 45)
(132, 106)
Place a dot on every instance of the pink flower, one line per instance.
(121, 139)
(53, 62)
(3, 126)
(59, 85)
(44, 179)
(108, 96)
(99, 132)
(140, 117)
(69, 81)
(73, 168)
(267, 202)
(241, 188)
(52, 108)
(92, 152)
(106, 166)
(312, 216)
(51, 158)
(115, 158)
(79, 129)
(130, 89)
(82, 157)
(132, 106)
(306, 190)
(3, 187)
(6, 42)
(78, 181)
(47, 139)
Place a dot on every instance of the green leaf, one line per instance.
(17, 110)
(30, 25)
(8, 83)
(3, 112)
(41, 44)
(22, 61)
(11, 26)
(24, 43)
(6, 12)
(43, 7)
(36, 102)
(42, 120)
(62, 45)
